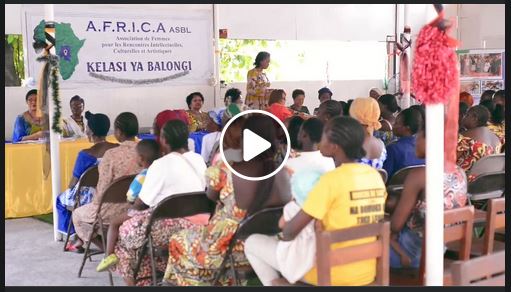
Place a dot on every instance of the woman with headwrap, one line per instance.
(367, 111)
(467, 98)
(96, 130)
(165, 116)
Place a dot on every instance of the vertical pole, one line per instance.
(434, 195)
(405, 99)
(54, 139)
(216, 55)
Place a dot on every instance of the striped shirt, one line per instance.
(136, 186)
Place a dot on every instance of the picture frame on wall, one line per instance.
(492, 85)
(481, 64)
(471, 86)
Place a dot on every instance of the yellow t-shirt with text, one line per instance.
(350, 195)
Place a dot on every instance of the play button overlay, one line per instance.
(243, 146)
(253, 145)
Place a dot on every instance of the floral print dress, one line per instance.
(195, 254)
(257, 87)
(499, 130)
(469, 151)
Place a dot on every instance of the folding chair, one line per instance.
(384, 175)
(485, 186)
(491, 163)
(88, 179)
(114, 193)
(175, 206)
(488, 270)
(265, 221)
(396, 182)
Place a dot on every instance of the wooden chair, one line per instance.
(384, 175)
(496, 219)
(488, 270)
(458, 226)
(327, 258)
(114, 193)
(88, 179)
(265, 221)
(175, 206)
(491, 163)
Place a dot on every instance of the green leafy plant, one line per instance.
(16, 41)
(237, 57)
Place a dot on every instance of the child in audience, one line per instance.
(148, 151)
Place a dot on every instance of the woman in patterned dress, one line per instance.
(258, 84)
(408, 216)
(178, 171)
(478, 141)
(196, 253)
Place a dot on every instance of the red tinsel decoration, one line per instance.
(435, 66)
(436, 80)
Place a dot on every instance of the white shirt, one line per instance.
(208, 142)
(172, 174)
(312, 160)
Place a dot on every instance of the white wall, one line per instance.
(480, 23)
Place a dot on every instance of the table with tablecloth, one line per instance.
(28, 175)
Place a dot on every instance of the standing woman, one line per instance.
(73, 126)
(27, 126)
(258, 84)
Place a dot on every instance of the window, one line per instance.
(305, 60)
(14, 64)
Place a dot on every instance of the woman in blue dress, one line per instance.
(96, 130)
(27, 125)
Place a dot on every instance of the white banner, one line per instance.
(112, 49)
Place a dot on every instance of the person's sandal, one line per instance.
(73, 248)
(107, 263)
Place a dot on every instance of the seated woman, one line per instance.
(73, 126)
(116, 162)
(477, 141)
(27, 125)
(407, 219)
(401, 153)
(329, 202)
(277, 105)
(328, 110)
(165, 116)
(178, 171)
(298, 99)
(293, 127)
(389, 110)
(97, 129)
(367, 112)
(195, 254)
(197, 119)
(496, 124)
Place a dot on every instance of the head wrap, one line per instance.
(377, 90)
(168, 115)
(467, 98)
(367, 111)
(98, 123)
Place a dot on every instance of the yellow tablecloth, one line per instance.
(28, 175)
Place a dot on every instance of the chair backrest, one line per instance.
(487, 270)
(116, 191)
(384, 175)
(181, 205)
(458, 226)
(488, 185)
(399, 177)
(490, 163)
(327, 258)
(496, 218)
(265, 221)
(89, 177)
